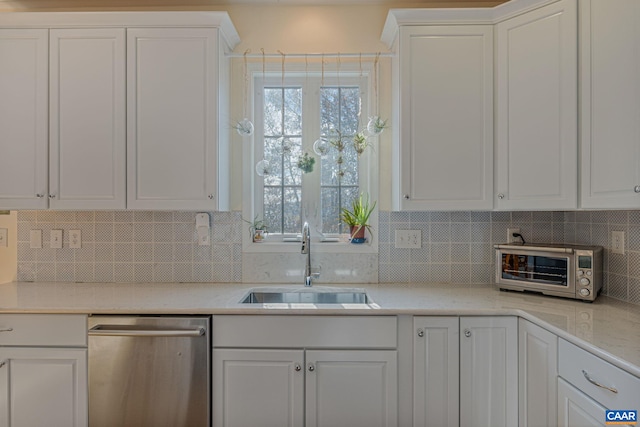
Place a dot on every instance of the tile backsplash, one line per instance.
(457, 247)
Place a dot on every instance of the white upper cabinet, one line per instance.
(114, 110)
(87, 119)
(536, 109)
(610, 103)
(24, 75)
(443, 126)
(172, 104)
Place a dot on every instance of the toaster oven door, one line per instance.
(549, 272)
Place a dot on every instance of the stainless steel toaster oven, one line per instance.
(569, 271)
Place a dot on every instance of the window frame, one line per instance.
(309, 76)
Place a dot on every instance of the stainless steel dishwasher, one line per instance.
(149, 371)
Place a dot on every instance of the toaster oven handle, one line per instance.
(562, 250)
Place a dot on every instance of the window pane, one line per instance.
(292, 209)
(291, 149)
(273, 156)
(339, 111)
(273, 209)
(349, 107)
(293, 111)
(273, 111)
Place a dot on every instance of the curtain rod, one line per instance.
(310, 55)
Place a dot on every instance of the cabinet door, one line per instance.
(351, 388)
(576, 409)
(488, 371)
(536, 81)
(43, 387)
(87, 128)
(610, 101)
(445, 157)
(23, 118)
(258, 388)
(172, 93)
(538, 372)
(436, 354)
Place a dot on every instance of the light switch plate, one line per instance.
(408, 239)
(35, 239)
(4, 236)
(75, 239)
(55, 242)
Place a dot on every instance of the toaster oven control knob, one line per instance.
(589, 273)
(585, 292)
(585, 282)
(580, 272)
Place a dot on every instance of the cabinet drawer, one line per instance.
(43, 330)
(304, 331)
(574, 362)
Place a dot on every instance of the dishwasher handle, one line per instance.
(134, 331)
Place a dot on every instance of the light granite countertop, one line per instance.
(608, 328)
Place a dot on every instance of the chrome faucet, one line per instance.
(306, 250)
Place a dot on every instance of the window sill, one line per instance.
(317, 246)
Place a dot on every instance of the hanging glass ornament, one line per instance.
(321, 146)
(244, 127)
(286, 145)
(263, 168)
(376, 125)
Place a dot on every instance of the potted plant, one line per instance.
(357, 218)
(257, 228)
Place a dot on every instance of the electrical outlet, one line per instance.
(617, 242)
(55, 242)
(510, 238)
(75, 239)
(4, 235)
(408, 239)
(35, 239)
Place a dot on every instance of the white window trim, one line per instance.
(368, 165)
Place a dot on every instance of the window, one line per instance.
(315, 115)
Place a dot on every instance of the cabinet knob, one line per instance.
(406, 197)
(210, 196)
(39, 195)
(311, 367)
(420, 333)
(636, 188)
(467, 333)
(52, 196)
(297, 367)
(500, 196)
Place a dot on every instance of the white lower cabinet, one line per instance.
(576, 409)
(40, 385)
(538, 372)
(319, 378)
(436, 356)
(489, 371)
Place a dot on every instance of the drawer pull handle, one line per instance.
(6, 330)
(596, 383)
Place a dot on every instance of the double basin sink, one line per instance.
(306, 296)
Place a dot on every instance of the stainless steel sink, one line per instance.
(288, 297)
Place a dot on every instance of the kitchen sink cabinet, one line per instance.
(536, 109)
(489, 371)
(610, 103)
(576, 409)
(43, 370)
(443, 88)
(24, 118)
(538, 372)
(330, 371)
